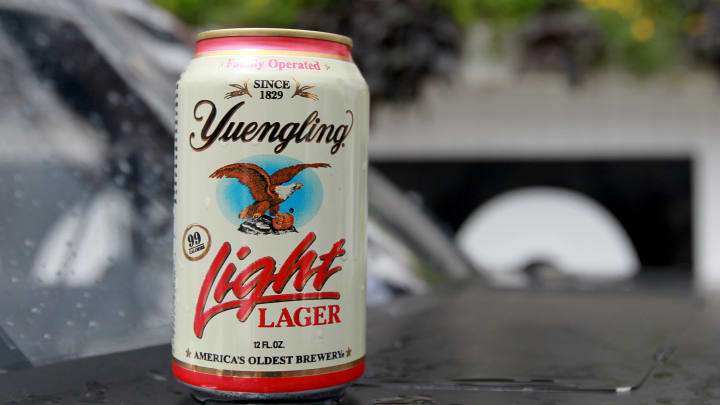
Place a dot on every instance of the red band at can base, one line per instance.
(267, 385)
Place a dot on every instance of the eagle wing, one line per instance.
(287, 173)
(253, 176)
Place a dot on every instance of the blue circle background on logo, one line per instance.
(233, 196)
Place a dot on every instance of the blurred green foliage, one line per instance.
(498, 12)
(240, 13)
(642, 35)
(504, 16)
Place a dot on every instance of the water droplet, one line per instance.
(95, 392)
(156, 375)
(14, 279)
(405, 400)
(96, 120)
(47, 336)
(119, 180)
(19, 194)
(125, 167)
(126, 126)
(70, 323)
(67, 65)
(9, 322)
(29, 243)
(79, 305)
(35, 310)
(3, 371)
(92, 324)
(41, 39)
(87, 294)
(35, 203)
(121, 313)
(113, 97)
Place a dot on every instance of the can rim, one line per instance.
(274, 32)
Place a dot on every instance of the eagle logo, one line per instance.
(268, 191)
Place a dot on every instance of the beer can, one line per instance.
(269, 216)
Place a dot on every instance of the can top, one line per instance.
(274, 32)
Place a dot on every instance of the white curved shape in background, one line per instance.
(565, 229)
(80, 247)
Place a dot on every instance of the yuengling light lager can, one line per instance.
(270, 213)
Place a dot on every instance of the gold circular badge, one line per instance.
(195, 242)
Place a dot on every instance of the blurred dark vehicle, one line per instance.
(87, 176)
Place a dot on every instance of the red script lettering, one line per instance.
(250, 285)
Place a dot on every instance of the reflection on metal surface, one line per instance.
(274, 32)
(84, 242)
(397, 213)
(390, 259)
(472, 339)
(262, 52)
(405, 400)
(517, 384)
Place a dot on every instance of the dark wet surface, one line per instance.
(466, 345)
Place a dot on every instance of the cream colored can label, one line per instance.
(270, 215)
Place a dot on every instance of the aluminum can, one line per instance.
(269, 217)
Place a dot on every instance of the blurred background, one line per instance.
(573, 135)
(552, 144)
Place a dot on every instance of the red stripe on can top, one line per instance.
(273, 43)
(268, 385)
